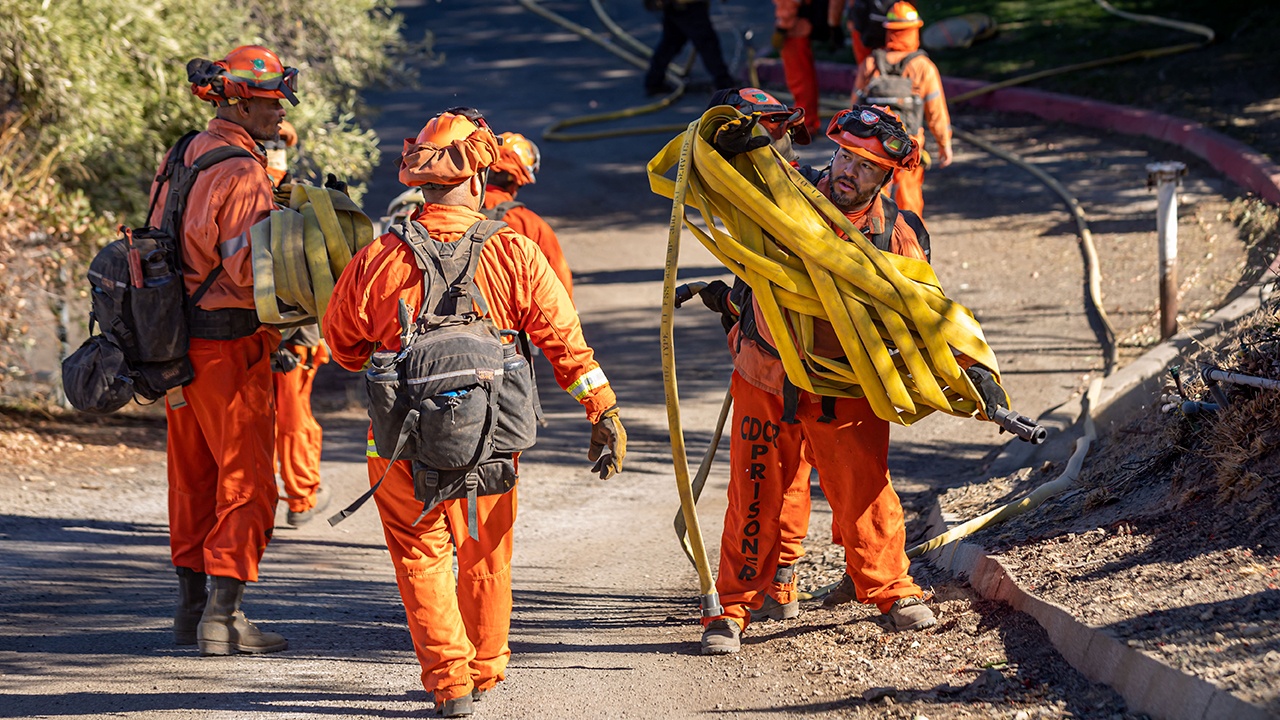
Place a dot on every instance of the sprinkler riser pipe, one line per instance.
(1165, 177)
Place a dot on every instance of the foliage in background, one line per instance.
(92, 93)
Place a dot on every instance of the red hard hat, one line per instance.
(248, 71)
(876, 134)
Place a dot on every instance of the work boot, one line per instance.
(298, 519)
(192, 595)
(782, 602)
(223, 628)
(722, 637)
(911, 614)
(843, 593)
(457, 707)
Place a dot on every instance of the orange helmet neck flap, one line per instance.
(452, 147)
(876, 134)
(248, 71)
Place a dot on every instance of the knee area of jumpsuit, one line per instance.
(481, 577)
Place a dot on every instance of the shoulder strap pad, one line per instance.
(914, 222)
(883, 240)
(499, 211)
(217, 155)
(882, 61)
(901, 65)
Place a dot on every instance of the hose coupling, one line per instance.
(711, 605)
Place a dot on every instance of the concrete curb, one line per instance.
(1147, 685)
(1242, 164)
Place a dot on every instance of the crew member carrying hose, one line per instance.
(222, 490)
(902, 76)
(519, 161)
(460, 627)
(778, 427)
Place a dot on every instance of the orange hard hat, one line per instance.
(452, 147)
(901, 16)
(523, 152)
(248, 71)
(876, 134)
(775, 115)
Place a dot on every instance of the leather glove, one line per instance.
(283, 360)
(608, 444)
(778, 39)
(734, 137)
(716, 297)
(333, 183)
(283, 191)
(989, 390)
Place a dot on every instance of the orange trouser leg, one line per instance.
(851, 455)
(298, 435)
(802, 78)
(764, 457)
(794, 519)
(222, 491)
(908, 190)
(459, 628)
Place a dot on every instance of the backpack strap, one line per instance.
(432, 257)
(883, 240)
(479, 234)
(882, 61)
(922, 233)
(499, 211)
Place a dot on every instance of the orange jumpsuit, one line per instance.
(460, 627)
(849, 453)
(531, 225)
(926, 83)
(222, 490)
(797, 59)
(299, 437)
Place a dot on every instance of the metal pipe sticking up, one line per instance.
(1165, 178)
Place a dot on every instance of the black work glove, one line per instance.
(333, 183)
(608, 444)
(735, 137)
(835, 37)
(989, 390)
(283, 360)
(778, 39)
(283, 191)
(716, 297)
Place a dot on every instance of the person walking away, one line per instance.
(777, 428)
(299, 438)
(518, 164)
(686, 21)
(460, 625)
(902, 77)
(794, 25)
(222, 490)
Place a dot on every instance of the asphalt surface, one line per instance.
(605, 619)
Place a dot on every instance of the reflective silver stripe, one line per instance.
(372, 450)
(231, 246)
(932, 95)
(586, 383)
(446, 376)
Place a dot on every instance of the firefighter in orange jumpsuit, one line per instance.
(902, 39)
(294, 365)
(777, 428)
(518, 164)
(222, 490)
(460, 626)
(791, 38)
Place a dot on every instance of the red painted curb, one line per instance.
(1239, 162)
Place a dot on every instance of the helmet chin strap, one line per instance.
(483, 178)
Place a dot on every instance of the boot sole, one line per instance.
(213, 648)
(921, 625)
(788, 611)
(720, 649)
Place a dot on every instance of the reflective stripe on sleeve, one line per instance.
(372, 450)
(586, 383)
(933, 95)
(231, 246)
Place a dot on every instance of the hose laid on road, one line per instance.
(299, 252)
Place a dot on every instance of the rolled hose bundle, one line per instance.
(299, 252)
(770, 227)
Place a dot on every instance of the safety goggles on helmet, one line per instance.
(871, 122)
(286, 83)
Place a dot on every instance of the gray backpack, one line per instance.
(499, 211)
(890, 89)
(456, 400)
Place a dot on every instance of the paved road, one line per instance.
(604, 625)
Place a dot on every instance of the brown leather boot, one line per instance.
(782, 602)
(223, 628)
(192, 595)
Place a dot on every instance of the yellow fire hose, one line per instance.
(872, 299)
(299, 252)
